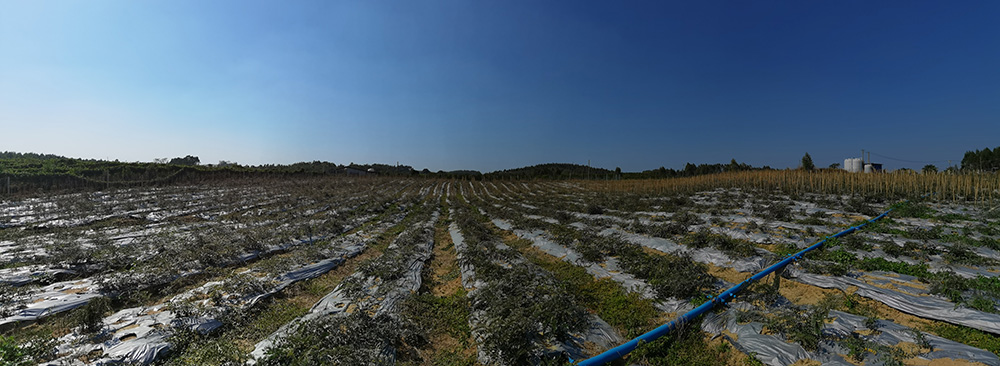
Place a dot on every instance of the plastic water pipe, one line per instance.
(622, 350)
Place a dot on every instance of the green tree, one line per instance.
(929, 168)
(187, 160)
(807, 162)
(835, 166)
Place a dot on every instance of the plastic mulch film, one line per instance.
(379, 297)
(774, 350)
(930, 307)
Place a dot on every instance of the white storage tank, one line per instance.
(854, 165)
(869, 168)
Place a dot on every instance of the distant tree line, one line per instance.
(29, 171)
(575, 171)
(691, 170)
(552, 171)
(982, 160)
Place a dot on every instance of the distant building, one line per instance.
(853, 165)
(858, 165)
(355, 171)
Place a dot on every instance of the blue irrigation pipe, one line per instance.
(624, 349)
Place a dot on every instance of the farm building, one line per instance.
(355, 171)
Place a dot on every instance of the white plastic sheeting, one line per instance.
(703, 255)
(381, 297)
(930, 307)
(607, 269)
(775, 351)
(891, 334)
(769, 349)
(141, 333)
(52, 299)
(20, 276)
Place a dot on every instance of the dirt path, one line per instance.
(449, 337)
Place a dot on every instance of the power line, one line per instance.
(910, 161)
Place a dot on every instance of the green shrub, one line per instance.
(27, 348)
(981, 303)
(800, 324)
(449, 314)
(880, 264)
(523, 308)
(355, 339)
(923, 234)
(966, 335)
(735, 247)
(774, 211)
(892, 249)
(625, 310)
(12, 354)
(684, 346)
(860, 205)
(669, 275)
(856, 242)
(912, 209)
(91, 316)
(962, 254)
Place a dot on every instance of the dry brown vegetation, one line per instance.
(976, 187)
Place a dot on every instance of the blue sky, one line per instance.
(490, 85)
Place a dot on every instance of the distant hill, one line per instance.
(552, 171)
(692, 170)
(576, 171)
(8, 155)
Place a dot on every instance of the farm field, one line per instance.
(414, 271)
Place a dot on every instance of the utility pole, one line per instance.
(8, 185)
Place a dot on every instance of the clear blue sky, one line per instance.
(489, 85)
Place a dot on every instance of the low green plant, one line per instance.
(523, 308)
(812, 220)
(191, 348)
(961, 253)
(802, 325)
(856, 242)
(912, 209)
(684, 346)
(625, 310)
(920, 339)
(355, 339)
(12, 354)
(860, 205)
(953, 217)
(857, 347)
(448, 314)
(922, 233)
(90, 317)
(670, 275)
(965, 335)
(27, 347)
(982, 303)
(735, 247)
(752, 360)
